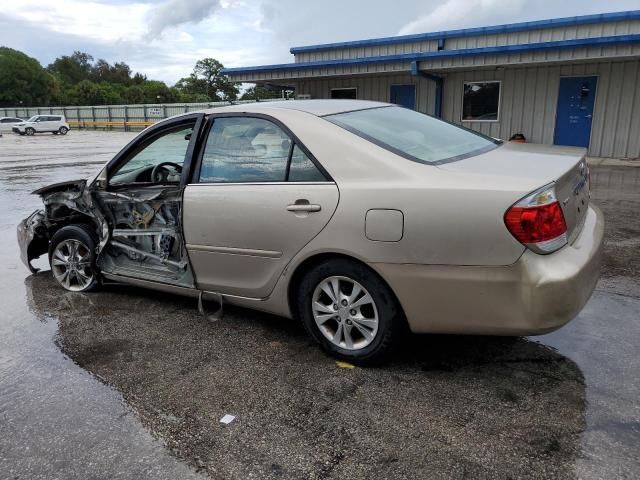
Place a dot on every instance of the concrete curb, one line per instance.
(613, 162)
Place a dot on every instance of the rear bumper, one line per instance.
(535, 295)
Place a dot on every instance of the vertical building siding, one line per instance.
(372, 88)
(549, 34)
(528, 102)
(529, 97)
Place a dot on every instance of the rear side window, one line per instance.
(250, 150)
(414, 135)
(302, 169)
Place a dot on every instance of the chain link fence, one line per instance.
(117, 117)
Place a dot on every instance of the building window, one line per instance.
(481, 101)
(348, 93)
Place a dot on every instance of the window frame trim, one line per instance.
(497, 120)
(206, 131)
(148, 136)
(342, 88)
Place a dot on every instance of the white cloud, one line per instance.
(465, 13)
(172, 13)
(87, 19)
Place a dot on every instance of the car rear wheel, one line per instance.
(349, 310)
(63, 130)
(30, 131)
(72, 258)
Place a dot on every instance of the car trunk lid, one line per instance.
(537, 165)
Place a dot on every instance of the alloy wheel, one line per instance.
(345, 312)
(71, 265)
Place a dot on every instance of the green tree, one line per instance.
(72, 69)
(110, 93)
(207, 79)
(158, 92)
(134, 94)
(87, 93)
(258, 92)
(23, 81)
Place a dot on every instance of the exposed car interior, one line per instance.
(143, 206)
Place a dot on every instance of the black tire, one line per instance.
(30, 131)
(63, 130)
(391, 322)
(85, 235)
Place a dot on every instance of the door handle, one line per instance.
(303, 206)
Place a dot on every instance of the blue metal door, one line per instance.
(575, 111)
(403, 95)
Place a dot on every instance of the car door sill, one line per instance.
(163, 287)
(168, 288)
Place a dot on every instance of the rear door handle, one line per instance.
(303, 206)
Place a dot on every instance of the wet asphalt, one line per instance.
(126, 383)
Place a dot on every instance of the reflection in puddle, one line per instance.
(451, 406)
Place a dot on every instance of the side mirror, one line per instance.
(100, 183)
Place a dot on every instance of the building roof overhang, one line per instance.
(421, 56)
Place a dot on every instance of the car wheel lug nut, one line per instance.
(344, 303)
(335, 306)
(352, 312)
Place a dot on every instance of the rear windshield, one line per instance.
(414, 135)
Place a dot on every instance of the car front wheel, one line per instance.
(349, 310)
(72, 258)
(30, 131)
(63, 130)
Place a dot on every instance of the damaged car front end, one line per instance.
(126, 221)
(65, 203)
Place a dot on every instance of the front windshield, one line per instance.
(414, 135)
(33, 119)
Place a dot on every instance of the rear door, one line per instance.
(257, 197)
(53, 124)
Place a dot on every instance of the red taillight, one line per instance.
(538, 222)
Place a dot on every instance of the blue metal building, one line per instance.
(566, 81)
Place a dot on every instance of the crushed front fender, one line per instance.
(33, 238)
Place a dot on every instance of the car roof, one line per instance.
(314, 107)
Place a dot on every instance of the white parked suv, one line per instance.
(7, 123)
(43, 123)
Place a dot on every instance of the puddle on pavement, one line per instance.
(560, 405)
(56, 419)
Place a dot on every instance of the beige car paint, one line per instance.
(453, 228)
(455, 268)
(240, 236)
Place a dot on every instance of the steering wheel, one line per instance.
(156, 173)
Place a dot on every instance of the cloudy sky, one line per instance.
(164, 38)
